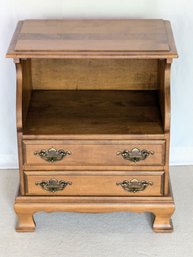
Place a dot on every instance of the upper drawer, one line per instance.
(94, 152)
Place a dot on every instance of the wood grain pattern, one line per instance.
(26, 87)
(94, 74)
(20, 159)
(162, 208)
(166, 166)
(114, 98)
(93, 185)
(94, 153)
(83, 38)
(23, 84)
(96, 136)
(164, 92)
(101, 112)
(14, 41)
(19, 84)
(95, 35)
(19, 122)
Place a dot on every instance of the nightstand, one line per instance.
(93, 117)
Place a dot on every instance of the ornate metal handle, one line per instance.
(135, 154)
(134, 185)
(53, 185)
(52, 155)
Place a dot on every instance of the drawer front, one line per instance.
(94, 152)
(81, 184)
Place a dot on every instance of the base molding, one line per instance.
(162, 208)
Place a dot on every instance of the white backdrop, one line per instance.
(180, 13)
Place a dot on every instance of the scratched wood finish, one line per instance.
(93, 86)
(94, 74)
(99, 112)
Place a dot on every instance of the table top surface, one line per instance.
(92, 38)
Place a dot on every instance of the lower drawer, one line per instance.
(93, 184)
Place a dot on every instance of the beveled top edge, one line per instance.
(171, 53)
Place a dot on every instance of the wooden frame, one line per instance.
(94, 93)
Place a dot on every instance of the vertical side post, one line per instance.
(19, 82)
(164, 97)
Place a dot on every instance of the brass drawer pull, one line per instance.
(52, 155)
(53, 185)
(135, 154)
(134, 185)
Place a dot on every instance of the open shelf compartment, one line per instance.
(93, 112)
(92, 96)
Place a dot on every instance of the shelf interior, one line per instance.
(59, 112)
